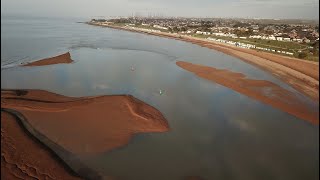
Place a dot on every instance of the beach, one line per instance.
(300, 74)
(35, 161)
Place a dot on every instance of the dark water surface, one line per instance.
(216, 133)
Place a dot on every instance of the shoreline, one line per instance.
(20, 163)
(300, 74)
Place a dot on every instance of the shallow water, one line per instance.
(216, 133)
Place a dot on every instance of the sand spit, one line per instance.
(24, 158)
(300, 74)
(88, 125)
(61, 59)
(298, 80)
(263, 91)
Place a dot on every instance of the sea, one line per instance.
(215, 132)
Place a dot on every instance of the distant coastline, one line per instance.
(300, 74)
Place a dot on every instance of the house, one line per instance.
(272, 38)
(279, 38)
(160, 27)
(306, 40)
(286, 39)
(255, 36)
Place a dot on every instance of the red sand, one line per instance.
(24, 158)
(86, 125)
(276, 96)
(300, 74)
(61, 59)
(298, 80)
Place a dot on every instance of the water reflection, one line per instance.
(216, 133)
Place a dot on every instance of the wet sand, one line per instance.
(61, 59)
(23, 157)
(300, 74)
(87, 125)
(298, 80)
(263, 91)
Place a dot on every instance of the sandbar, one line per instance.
(302, 75)
(60, 59)
(85, 125)
(261, 90)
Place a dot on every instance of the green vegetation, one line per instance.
(120, 24)
(301, 51)
(149, 27)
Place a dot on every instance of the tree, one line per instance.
(175, 29)
(183, 28)
(302, 55)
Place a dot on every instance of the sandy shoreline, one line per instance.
(275, 96)
(19, 162)
(99, 124)
(300, 74)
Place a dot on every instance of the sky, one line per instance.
(274, 9)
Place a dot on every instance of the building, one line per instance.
(286, 39)
(306, 40)
(279, 38)
(160, 27)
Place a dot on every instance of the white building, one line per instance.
(272, 38)
(160, 27)
(286, 39)
(255, 37)
(279, 38)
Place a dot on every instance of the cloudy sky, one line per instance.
(302, 9)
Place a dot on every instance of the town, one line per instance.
(298, 38)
